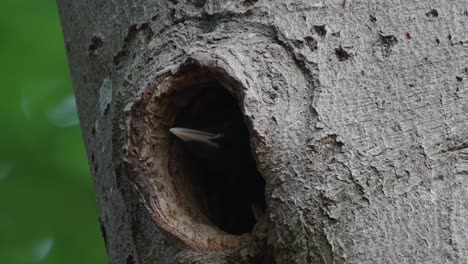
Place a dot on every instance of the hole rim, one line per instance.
(142, 139)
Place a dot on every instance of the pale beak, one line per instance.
(193, 135)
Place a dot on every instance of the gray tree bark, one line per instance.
(357, 114)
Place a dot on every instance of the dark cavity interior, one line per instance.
(220, 185)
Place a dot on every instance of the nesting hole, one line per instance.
(206, 198)
(220, 185)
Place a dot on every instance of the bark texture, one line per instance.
(357, 113)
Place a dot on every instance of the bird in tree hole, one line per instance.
(219, 146)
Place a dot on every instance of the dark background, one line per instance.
(48, 211)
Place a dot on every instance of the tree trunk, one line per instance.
(356, 112)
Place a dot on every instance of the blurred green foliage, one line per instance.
(47, 206)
